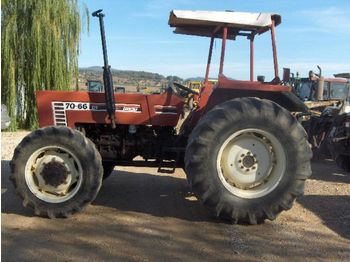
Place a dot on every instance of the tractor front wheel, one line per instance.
(247, 160)
(57, 171)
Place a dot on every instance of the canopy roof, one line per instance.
(208, 23)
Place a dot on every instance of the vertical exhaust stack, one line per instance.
(107, 75)
(320, 86)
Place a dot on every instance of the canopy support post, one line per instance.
(274, 49)
(209, 59)
(252, 57)
(223, 46)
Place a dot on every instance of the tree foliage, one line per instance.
(39, 51)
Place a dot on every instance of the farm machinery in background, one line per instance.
(244, 153)
(97, 86)
(94, 86)
(328, 125)
(191, 98)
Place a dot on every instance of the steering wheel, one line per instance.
(186, 89)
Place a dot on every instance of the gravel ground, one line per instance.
(140, 215)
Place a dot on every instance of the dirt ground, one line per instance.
(140, 215)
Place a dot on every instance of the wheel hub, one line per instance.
(54, 173)
(248, 161)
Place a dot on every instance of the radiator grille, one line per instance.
(59, 114)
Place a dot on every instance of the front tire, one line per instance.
(247, 160)
(57, 171)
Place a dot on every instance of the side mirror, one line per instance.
(261, 79)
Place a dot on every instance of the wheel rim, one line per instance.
(251, 163)
(53, 174)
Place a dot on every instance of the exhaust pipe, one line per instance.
(320, 88)
(320, 85)
(319, 70)
(107, 75)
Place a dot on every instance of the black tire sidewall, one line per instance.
(216, 127)
(287, 178)
(84, 152)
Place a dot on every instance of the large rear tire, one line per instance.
(247, 160)
(57, 171)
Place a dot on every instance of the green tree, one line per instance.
(39, 51)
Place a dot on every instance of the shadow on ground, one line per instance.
(144, 217)
(10, 202)
(327, 170)
(167, 196)
(162, 196)
(333, 210)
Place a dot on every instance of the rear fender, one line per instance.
(216, 96)
(285, 99)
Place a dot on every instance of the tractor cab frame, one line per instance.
(227, 26)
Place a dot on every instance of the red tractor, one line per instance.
(245, 155)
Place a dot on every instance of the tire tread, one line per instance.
(196, 158)
(93, 159)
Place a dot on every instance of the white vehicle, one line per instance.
(5, 119)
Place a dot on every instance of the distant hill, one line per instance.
(91, 68)
(97, 71)
(198, 78)
(127, 78)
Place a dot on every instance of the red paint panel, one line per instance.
(172, 109)
(205, 93)
(44, 108)
(224, 82)
(146, 116)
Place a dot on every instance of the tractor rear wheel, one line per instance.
(247, 160)
(57, 171)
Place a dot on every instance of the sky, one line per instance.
(312, 32)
